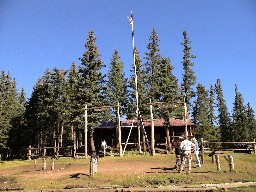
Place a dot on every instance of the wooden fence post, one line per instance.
(254, 146)
(93, 164)
(44, 153)
(35, 163)
(202, 150)
(213, 158)
(29, 152)
(217, 159)
(231, 162)
(52, 167)
(44, 165)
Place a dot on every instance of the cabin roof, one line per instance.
(157, 123)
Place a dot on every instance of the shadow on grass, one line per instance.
(173, 170)
(78, 175)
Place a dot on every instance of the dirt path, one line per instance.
(107, 169)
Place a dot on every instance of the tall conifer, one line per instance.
(240, 130)
(189, 78)
(116, 85)
(151, 67)
(201, 116)
(223, 115)
(251, 123)
(92, 83)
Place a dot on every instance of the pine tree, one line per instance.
(215, 132)
(116, 85)
(16, 136)
(168, 92)
(251, 123)
(189, 78)
(151, 68)
(12, 106)
(40, 116)
(59, 104)
(74, 106)
(211, 111)
(223, 115)
(204, 128)
(240, 130)
(168, 87)
(92, 81)
(8, 106)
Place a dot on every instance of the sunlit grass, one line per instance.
(31, 179)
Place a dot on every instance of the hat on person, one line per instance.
(193, 139)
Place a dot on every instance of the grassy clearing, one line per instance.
(142, 171)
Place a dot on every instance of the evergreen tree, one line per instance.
(223, 115)
(39, 118)
(116, 85)
(16, 137)
(74, 106)
(8, 106)
(59, 104)
(92, 81)
(189, 78)
(168, 92)
(211, 111)
(211, 116)
(168, 88)
(251, 123)
(151, 68)
(204, 128)
(240, 130)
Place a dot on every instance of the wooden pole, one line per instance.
(44, 163)
(44, 154)
(213, 159)
(254, 146)
(119, 131)
(202, 150)
(136, 80)
(152, 131)
(185, 117)
(85, 132)
(217, 159)
(231, 163)
(29, 152)
(74, 142)
(52, 167)
(91, 167)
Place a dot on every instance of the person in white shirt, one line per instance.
(198, 163)
(186, 147)
(104, 146)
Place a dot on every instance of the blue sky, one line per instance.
(36, 35)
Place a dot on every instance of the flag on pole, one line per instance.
(130, 19)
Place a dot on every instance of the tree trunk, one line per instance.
(73, 141)
(92, 141)
(143, 140)
(169, 145)
(61, 135)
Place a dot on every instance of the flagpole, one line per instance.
(136, 80)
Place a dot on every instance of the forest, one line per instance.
(56, 106)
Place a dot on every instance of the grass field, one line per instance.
(133, 172)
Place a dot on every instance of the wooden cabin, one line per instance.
(129, 132)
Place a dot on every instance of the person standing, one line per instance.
(186, 148)
(177, 154)
(104, 146)
(198, 163)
